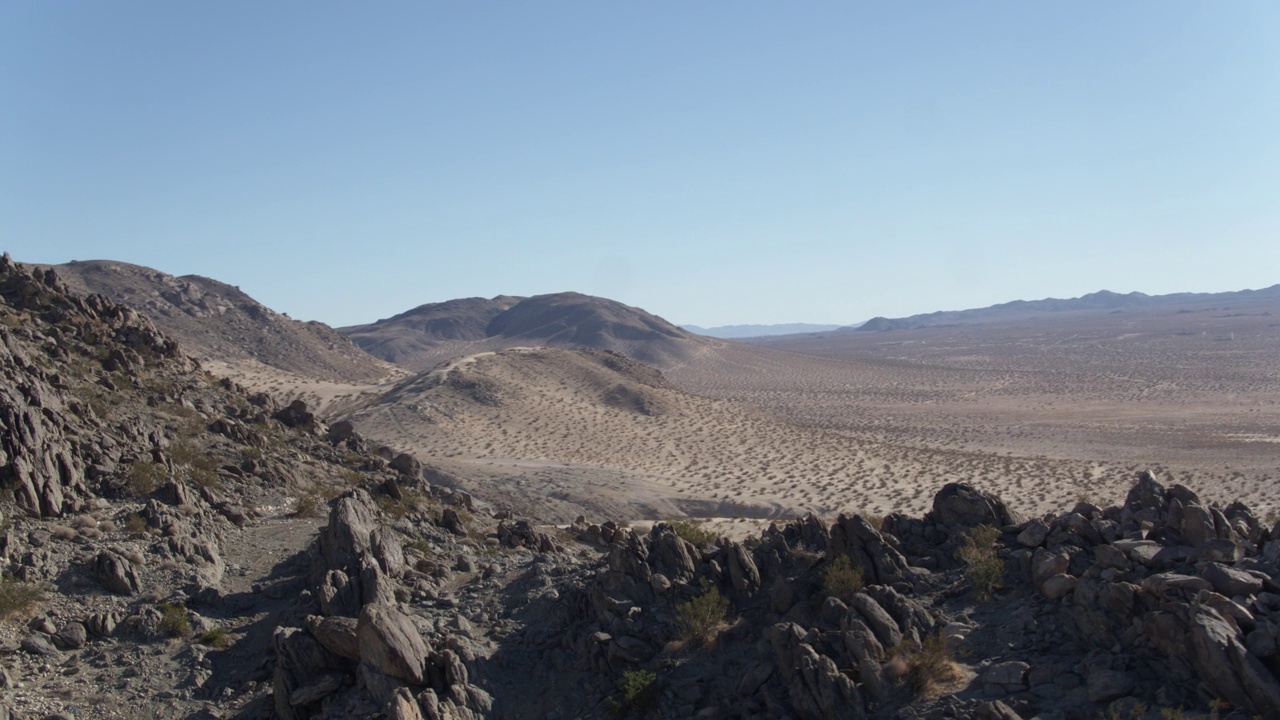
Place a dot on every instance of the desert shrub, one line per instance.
(145, 477)
(173, 619)
(929, 664)
(693, 531)
(309, 505)
(639, 693)
(699, 618)
(215, 637)
(135, 525)
(841, 579)
(17, 597)
(985, 565)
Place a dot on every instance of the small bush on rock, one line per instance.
(693, 531)
(173, 620)
(930, 664)
(217, 637)
(841, 579)
(700, 618)
(639, 693)
(985, 565)
(145, 477)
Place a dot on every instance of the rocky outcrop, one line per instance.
(964, 506)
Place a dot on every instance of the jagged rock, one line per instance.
(670, 554)
(1013, 672)
(390, 642)
(743, 574)
(1045, 564)
(102, 624)
(116, 574)
(962, 505)
(1034, 534)
(403, 706)
(72, 636)
(881, 623)
(407, 465)
(1164, 584)
(297, 416)
(1231, 582)
(1107, 685)
(882, 564)
(336, 634)
(38, 645)
(1227, 666)
(1058, 586)
(317, 690)
(449, 520)
(996, 710)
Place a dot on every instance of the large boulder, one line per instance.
(963, 505)
(391, 643)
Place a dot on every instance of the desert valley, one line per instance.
(381, 520)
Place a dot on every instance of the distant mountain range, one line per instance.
(1101, 301)
(729, 332)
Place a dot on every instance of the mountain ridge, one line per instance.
(1096, 301)
(217, 321)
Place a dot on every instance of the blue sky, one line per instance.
(712, 162)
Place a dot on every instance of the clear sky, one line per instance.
(713, 162)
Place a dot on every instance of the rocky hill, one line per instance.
(1103, 301)
(429, 334)
(217, 322)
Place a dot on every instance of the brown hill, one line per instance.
(426, 335)
(217, 322)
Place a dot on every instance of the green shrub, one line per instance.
(985, 566)
(699, 619)
(693, 531)
(639, 693)
(135, 525)
(930, 664)
(145, 477)
(309, 505)
(17, 597)
(215, 637)
(173, 619)
(841, 579)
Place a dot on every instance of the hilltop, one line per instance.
(428, 334)
(218, 323)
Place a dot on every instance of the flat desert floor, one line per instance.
(1044, 413)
